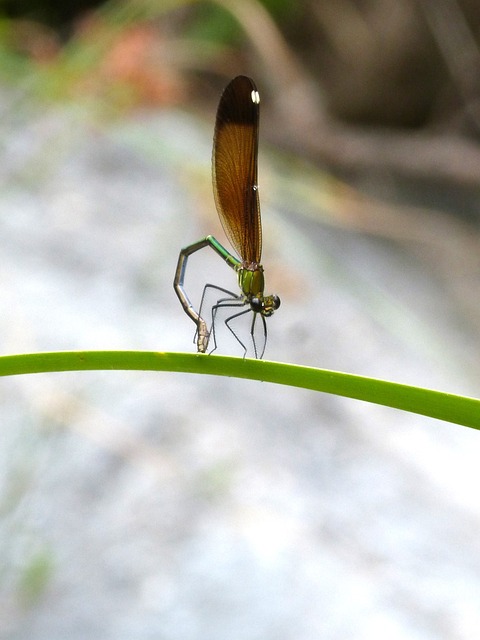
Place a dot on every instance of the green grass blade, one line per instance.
(435, 404)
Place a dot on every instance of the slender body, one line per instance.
(234, 169)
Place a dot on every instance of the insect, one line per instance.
(234, 170)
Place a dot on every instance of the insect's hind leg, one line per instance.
(233, 297)
(227, 303)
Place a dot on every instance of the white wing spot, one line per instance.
(255, 97)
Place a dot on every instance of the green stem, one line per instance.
(435, 404)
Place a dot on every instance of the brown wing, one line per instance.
(235, 149)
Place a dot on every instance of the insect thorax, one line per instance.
(251, 280)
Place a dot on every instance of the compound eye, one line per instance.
(256, 304)
(276, 302)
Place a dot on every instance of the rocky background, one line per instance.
(157, 505)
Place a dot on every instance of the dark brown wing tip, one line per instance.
(241, 90)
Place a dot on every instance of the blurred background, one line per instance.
(143, 505)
